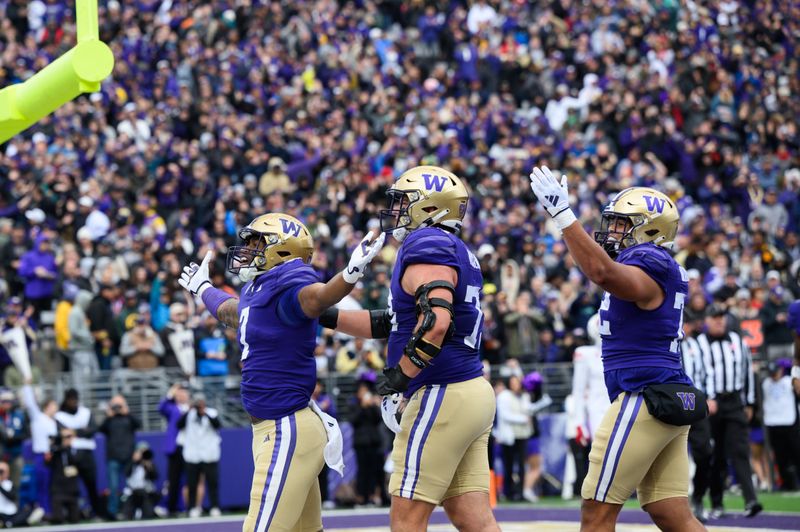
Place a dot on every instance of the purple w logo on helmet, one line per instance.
(655, 204)
(289, 226)
(434, 182)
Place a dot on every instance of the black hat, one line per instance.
(716, 310)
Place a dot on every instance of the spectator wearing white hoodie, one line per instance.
(514, 428)
(201, 453)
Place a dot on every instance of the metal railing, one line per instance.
(144, 389)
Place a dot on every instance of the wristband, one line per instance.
(565, 218)
(213, 298)
(203, 287)
(796, 372)
(330, 318)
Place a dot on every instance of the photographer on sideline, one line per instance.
(201, 452)
(10, 513)
(140, 495)
(64, 481)
(77, 417)
(120, 429)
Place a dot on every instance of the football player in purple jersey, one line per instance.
(641, 329)
(433, 324)
(276, 315)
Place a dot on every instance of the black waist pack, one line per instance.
(675, 404)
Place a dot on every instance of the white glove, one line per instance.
(195, 278)
(362, 256)
(795, 372)
(390, 404)
(552, 195)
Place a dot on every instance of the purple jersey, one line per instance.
(459, 359)
(278, 368)
(642, 347)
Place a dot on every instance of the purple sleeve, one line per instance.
(652, 262)
(165, 407)
(794, 317)
(430, 246)
(289, 310)
(26, 266)
(213, 298)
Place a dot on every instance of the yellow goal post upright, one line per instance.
(80, 70)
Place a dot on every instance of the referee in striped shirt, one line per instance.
(730, 386)
(700, 432)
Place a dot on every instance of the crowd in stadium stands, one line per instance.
(220, 111)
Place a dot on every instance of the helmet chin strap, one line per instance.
(401, 232)
(435, 219)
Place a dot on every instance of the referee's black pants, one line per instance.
(731, 442)
(702, 452)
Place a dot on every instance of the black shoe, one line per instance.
(716, 512)
(752, 509)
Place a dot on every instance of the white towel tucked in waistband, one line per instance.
(335, 446)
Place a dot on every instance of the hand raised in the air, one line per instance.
(553, 195)
(195, 278)
(362, 255)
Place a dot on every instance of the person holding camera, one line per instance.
(120, 429)
(173, 407)
(64, 463)
(79, 419)
(11, 515)
(201, 453)
(140, 494)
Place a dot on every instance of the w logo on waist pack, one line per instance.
(654, 204)
(687, 398)
(434, 182)
(289, 226)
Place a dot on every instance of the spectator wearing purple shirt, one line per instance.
(173, 407)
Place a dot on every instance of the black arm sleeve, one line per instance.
(380, 323)
(182, 421)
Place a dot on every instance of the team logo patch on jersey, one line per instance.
(434, 182)
(289, 226)
(688, 400)
(655, 204)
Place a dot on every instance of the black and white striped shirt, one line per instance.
(728, 366)
(693, 362)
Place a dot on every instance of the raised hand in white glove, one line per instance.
(195, 278)
(553, 195)
(362, 255)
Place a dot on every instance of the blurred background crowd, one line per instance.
(219, 111)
